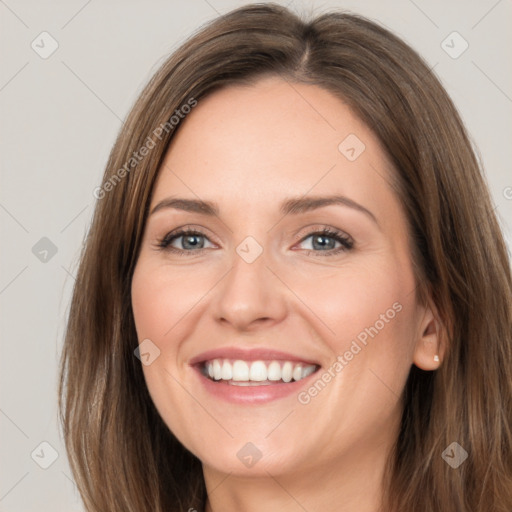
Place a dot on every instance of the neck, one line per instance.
(352, 483)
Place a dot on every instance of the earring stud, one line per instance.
(436, 358)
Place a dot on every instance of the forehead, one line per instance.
(256, 144)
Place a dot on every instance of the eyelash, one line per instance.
(346, 242)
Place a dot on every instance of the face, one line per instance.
(299, 263)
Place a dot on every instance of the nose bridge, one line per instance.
(250, 292)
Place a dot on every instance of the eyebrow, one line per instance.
(291, 206)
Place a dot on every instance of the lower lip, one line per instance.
(251, 394)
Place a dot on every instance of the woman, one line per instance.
(294, 294)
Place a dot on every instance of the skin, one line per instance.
(248, 148)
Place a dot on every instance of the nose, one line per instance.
(250, 295)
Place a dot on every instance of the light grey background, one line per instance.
(59, 118)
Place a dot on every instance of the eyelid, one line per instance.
(346, 241)
(187, 229)
(321, 228)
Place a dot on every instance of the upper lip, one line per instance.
(253, 354)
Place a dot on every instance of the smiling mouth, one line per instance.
(255, 373)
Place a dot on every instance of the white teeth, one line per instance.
(255, 373)
(240, 370)
(308, 370)
(227, 371)
(297, 372)
(258, 371)
(274, 371)
(287, 371)
(217, 370)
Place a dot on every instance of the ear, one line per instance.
(430, 348)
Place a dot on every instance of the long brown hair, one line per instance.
(123, 456)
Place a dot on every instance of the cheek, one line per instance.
(369, 311)
(161, 299)
(149, 304)
(352, 298)
(159, 302)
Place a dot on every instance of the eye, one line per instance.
(328, 241)
(184, 240)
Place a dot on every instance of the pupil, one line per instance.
(322, 239)
(191, 241)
